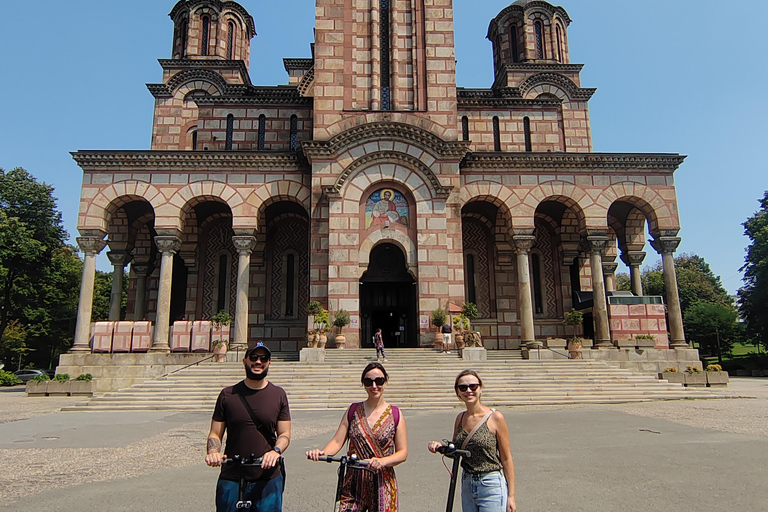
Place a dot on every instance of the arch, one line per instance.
(527, 201)
(197, 79)
(392, 166)
(553, 83)
(389, 125)
(661, 214)
(100, 209)
(273, 192)
(397, 238)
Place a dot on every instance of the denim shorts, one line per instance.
(484, 492)
(265, 495)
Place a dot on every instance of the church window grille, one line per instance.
(230, 131)
(194, 140)
(559, 44)
(471, 289)
(538, 300)
(513, 44)
(465, 128)
(527, 132)
(206, 35)
(230, 41)
(290, 284)
(262, 131)
(221, 284)
(294, 132)
(496, 134)
(386, 93)
(540, 43)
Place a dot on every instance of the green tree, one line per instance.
(623, 282)
(753, 296)
(712, 326)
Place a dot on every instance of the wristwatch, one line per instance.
(278, 450)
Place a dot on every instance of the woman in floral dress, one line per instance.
(376, 433)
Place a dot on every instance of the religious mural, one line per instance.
(386, 205)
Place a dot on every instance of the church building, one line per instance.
(372, 183)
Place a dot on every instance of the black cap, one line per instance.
(258, 345)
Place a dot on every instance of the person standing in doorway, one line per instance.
(255, 415)
(446, 330)
(379, 344)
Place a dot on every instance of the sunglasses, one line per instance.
(258, 357)
(378, 380)
(464, 387)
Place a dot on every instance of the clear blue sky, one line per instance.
(680, 76)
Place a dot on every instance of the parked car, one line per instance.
(25, 375)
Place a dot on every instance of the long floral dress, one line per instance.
(370, 491)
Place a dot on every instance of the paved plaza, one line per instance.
(662, 456)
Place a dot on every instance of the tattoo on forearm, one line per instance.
(214, 445)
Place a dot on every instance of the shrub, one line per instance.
(40, 378)
(222, 318)
(671, 369)
(341, 319)
(85, 376)
(9, 379)
(573, 317)
(714, 368)
(691, 369)
(645, 337)
(61, 377)
(439, 318)
(469, 310)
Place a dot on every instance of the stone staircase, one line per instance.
(419, 378)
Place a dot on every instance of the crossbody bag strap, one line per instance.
(269, 436)
(477, 427)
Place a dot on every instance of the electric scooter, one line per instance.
(344, 463)
(449, 450)
(243, 462)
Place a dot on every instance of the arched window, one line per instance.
(204, 41)
(496, 134)
(290, 284)
(262, 131)
(230, 131)
(514, 50)
(465, 128)
(541, 49)
(470, 275)
(384, 44)
(527, 132)
(183, 39)
(230, 40)
(538, 297)
(559, 43)
(294, 132)
(221, 284)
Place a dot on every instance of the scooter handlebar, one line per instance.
(449, 450)
(349, 461)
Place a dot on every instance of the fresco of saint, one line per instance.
(386, 205)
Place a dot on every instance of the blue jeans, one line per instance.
(265, 495)
(383, 356)
(484, 492)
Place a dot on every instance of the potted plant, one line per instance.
(219, 344)
(460, 328)
(340, 321)
(716, 377)
(82, 385)
(38, 385)
(575, 343)
(314, 309)
(645, 340)
(470, 312)
(322, 320)
(671, 375)
(694, 376)
(438, 320)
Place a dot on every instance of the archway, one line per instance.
(388, 299)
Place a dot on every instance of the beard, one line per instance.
(256, 376)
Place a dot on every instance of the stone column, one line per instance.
(609, 271)
(244, 246)
(141, 271)
(597, 245)
(167, 246)
(633, 259)
(119, 260)
(523, 244)
(666, 246)
(91, 246)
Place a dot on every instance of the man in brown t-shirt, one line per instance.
(268, 439)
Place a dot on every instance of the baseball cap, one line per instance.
(258, 345)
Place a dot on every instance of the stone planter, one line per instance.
(81, 387)
(673, 377)
(340, 341)
(311, 340)
(220, 352)
(695, 379)
(460, 341)
(717, 379)
(555, 343)
(37, 388)
(322, 340)
(644, 343)
(474, 354)
(439, 340)
(575, 348)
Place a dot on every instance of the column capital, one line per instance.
(244, 244)
(609, 267)
(666, 244)
(140, 268)
(597, 243)
(523, 243)
(168, 243)
(569, 256)
(91, 244)
(633, 258)
(119, 258)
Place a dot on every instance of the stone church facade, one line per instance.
(372, 183)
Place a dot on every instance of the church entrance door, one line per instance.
(388, 300)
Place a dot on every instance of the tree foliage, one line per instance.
(753, 296)
(712, 326)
